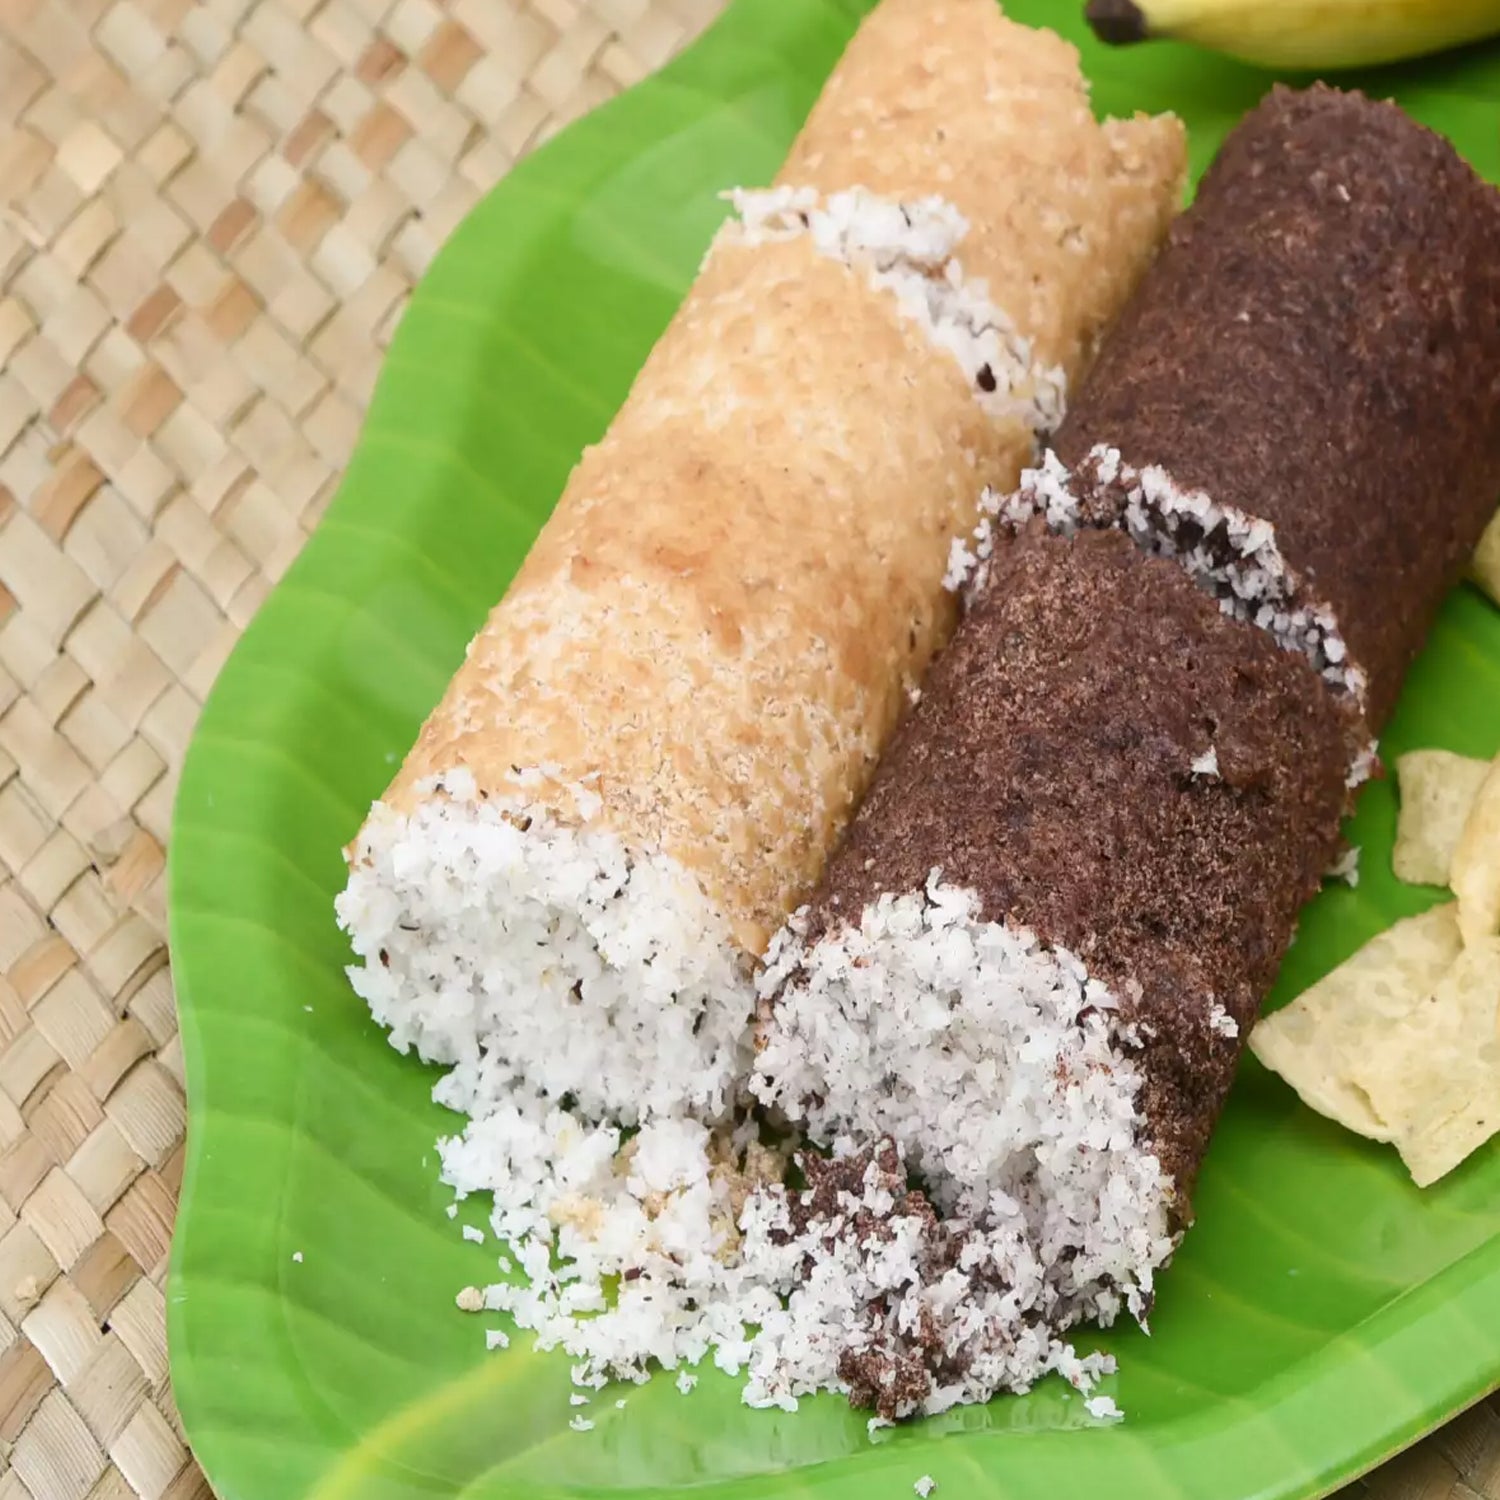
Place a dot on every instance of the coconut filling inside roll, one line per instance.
(492, 925)
(908, 249)
(606, 974)
(1003, 1069)
(1232, 556)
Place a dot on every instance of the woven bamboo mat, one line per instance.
(211, 212)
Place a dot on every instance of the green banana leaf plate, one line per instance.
(1323, 1313)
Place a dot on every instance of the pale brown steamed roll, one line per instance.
(664, 725)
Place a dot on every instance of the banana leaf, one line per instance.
(1322, 1314)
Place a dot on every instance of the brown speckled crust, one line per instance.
(1048, 767)
(1320, 346)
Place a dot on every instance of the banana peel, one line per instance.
(1317, 35)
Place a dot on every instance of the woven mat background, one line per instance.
(211, 212)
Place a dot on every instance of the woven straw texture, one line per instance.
(211, 213)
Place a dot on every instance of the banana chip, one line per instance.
(1474, 873)
(1437, 790)
(1314, 1042)
(1435, 1082)
(1401, 1043)
(1485, 569)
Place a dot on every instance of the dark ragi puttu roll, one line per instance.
(1034, 959)
(1306, 384)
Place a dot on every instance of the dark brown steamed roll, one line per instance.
(1034, 959)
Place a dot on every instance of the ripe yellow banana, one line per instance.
(1315, 34)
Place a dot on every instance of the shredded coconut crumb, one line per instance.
(967, 569)
(581, 1424)
(908, 249)
(496, 1338)
(475, 1236)
(578, 1399)
(686, 1382)
(925, 1486)
(1346, 866)
(961, 564)
(1206, 765)
(1220, 1021)
(297, 1256)
(451, 1210)
(1104, 1409)
(585, 1374)
(470, 1300)
(1366, 764)
(682, 1244)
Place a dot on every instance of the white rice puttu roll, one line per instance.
(664, 725)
